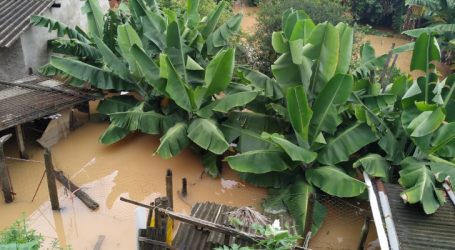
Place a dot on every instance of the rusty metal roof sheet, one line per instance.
(415, 229)
(15, 17)
(30, 99)
(191, 237)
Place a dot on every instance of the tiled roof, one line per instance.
(15, 17)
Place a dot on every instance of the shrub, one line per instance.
(383, 12)
(269, 20)
(206, 6)
(20, 236)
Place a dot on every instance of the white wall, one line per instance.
(34, 40)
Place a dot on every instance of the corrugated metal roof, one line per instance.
(417, 230)
(15, 17)
(189, 237)
(25, 101)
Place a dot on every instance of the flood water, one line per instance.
(128, 169)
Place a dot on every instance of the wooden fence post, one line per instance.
(184, 187)
(21, 142)
(52, 185)
(169, 189)
(6, 185)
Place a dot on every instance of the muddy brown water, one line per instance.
(127, 169)
(249, 16)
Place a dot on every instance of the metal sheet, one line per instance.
(15, 17)
(417, 230)
(30, 100)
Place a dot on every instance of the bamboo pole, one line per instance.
(51, 184)
(6, 185)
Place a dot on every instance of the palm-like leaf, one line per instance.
(206, 134)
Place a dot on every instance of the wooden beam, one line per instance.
(52, 186)
(21, 142)
(99, 242)
(184, 188)
(4, 179)
(155, 242)
(84, 197)
(169, 189)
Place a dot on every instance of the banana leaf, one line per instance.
(260, 161)
(334, 181)
(113, 134)
(420, 186)
(95, 17)
(345, 143)
(173, 141)
(206, 134)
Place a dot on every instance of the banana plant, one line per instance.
(315, 140)
(412, 118)
(172, 65)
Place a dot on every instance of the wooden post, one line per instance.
(21, 142)
(364, 232)
(169, 190)
(184, 187)
(52, 185)
(161, 218)
(77, 191)
(6, 185)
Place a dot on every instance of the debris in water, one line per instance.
(230, 184)
(248, 216)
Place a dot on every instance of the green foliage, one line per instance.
(304, 130)
(19, 236)
(177, 62)
(269, 19)
(410, 117)
(275, 239)
(383, 12)
(437, 17)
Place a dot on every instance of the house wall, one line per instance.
(34, 40)
(12, 65)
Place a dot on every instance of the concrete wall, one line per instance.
(31, 50)
(11, 62)
(34, 40)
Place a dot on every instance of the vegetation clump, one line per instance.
(269, 19)
(19, 236)
(310, 126)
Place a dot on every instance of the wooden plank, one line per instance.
(21, 141)
(52, 186)
(155, 242)
(6, 185)
(99, 242)
(169, 189)
(84, 197)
